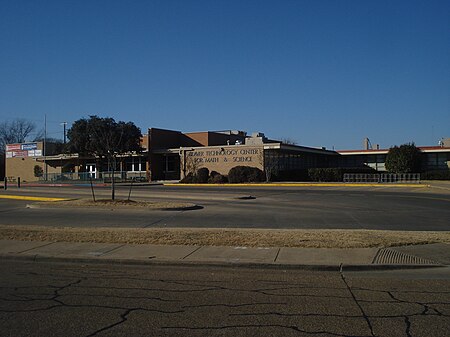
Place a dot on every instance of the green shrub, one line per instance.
(335, 174)
(189, 179)
(217, 179)
(212, 174)
(325, 174)
(292, 175)
(245, 174)
(38, 171)
(202, 175)
(436, 175)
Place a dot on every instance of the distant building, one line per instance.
(433, 157)
(171, 155)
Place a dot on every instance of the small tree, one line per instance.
(403, 159)
(104, 138)
(38, 171)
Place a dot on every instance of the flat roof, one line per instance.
(425, 149)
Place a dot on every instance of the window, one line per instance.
(170, 164)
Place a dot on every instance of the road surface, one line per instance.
(230, 207)
(49, 299)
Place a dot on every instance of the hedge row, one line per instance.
(436, 175)
(247, 174)
(335, 174)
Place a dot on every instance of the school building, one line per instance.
(171, 155)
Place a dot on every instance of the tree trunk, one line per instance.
(113, 185)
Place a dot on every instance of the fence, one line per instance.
(103, 177)
(382, 178)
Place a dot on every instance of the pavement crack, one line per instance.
(369, 324)
(408, 327)
(123, 318)
(290, 327)
(230, 305)
(274, 313)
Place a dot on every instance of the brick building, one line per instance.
(171, 155)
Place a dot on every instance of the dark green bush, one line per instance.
(335, 174)
(202, 175)
(245, 174)
(38, 171)
(217, 179)
(189, 179)
(325, 174)
(436, 175)
(292, 175)
(212, 174)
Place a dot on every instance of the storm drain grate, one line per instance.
(392, 256)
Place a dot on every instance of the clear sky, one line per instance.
(323, 73)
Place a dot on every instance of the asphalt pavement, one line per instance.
(88, 289)
(246, 207)
(68, 299)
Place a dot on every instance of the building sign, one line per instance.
(28, 146)
(35, 153)
(13, 147)
(23, 154)
(221, 159)
(244, 155)
(20, 154)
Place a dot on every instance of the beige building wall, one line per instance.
(24, 168)
(221, 158)
(20, 163)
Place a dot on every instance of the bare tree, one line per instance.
(289, 141)
(15, 131)
(270, 162)
(189, 163)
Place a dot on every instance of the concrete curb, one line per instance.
(298, 185)
(223, 264)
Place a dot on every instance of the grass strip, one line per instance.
(226, 237)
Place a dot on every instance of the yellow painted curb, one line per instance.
(300, 185)
(29, 198)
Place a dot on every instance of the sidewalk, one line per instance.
(308, 258)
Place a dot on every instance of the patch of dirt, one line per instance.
(226, 237)
(117, 203)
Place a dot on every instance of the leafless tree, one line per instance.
(189, 163)
(15, 131)
(289, 141)
(270, 163)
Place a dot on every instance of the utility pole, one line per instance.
(64, 125)
(45, 146)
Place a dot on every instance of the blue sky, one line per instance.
(323, 73)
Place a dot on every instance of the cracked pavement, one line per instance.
(63, 299)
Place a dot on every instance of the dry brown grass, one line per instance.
(116, 204)
(226, 237)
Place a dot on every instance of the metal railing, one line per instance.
(384, 178)
(103, 177)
